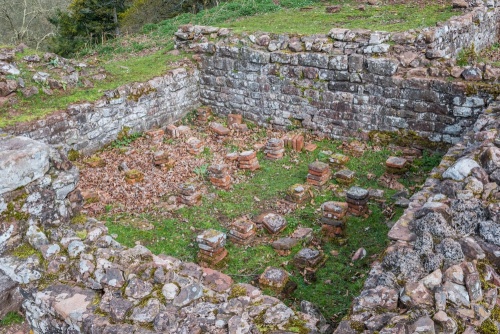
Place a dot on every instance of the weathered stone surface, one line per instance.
(379, 298)
(460, 170)
(137, 288)
(423, 325)
(10, 298)
(451, 251)
(433, 280)
(490, 231)
(457, 294)
(146, 313)
(217, 281)
(188, 294)
(417, 295)
(22, 160)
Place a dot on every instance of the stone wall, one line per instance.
(87, 127)
(349, 82)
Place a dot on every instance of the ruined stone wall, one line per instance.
(72, 277)
(348, 81)
(87, 127)
(440, 273)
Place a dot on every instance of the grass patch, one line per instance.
(119, 72)
(397, 17)
(336, 283)
(11, 318)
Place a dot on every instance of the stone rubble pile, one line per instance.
(357, 201)
(50, 72)
(212, 251)
(242, 231)
(319, 174)
(189, 194)
(441, 272)
(274, 149)
(248, 160)
(219, 176)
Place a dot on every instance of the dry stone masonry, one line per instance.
(440, 272)
(439, 269)
(75, 278)
(350, 81)
(86, 127)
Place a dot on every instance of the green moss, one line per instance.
(81, 234)
(47, 280)
(406, 138)
(14, 207)
(297, 326)
(24, 251)
(79, 219)
(140, 93)
(73, 155)
(488, 327)
(237, 291)
(495, 313)
(473, 88)
(358, 326)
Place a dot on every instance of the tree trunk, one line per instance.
(115, 20)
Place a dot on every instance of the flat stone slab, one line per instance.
(357, 193)
(285, 243)
(460, 169)
(22, 161)
(212, 238)
(274, 223)
(396, 162)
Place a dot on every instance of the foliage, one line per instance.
(201, 171)
(142, 12)
(11, 318)
(467, 56)
(86, 22)
(125, 138)
(26, 21)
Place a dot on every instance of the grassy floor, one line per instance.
(119, 72)
(387, 18)
(337, 282)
